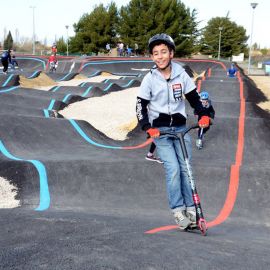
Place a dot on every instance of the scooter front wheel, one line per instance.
(203, 227)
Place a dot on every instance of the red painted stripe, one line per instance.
(235, 168)
(82, 64)
(234, 174)
(139, 145)
(205, 61)
(164, 228)
(209, 72)
(199, 86)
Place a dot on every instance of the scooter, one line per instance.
(53, 66)
(199, 142)
(201, 222)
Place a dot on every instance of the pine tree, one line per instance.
(8, 42)
(136, 23)
(96, 29)
(61, 46)
(233, 38)
(141, 19)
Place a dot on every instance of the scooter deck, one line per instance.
(196, 229)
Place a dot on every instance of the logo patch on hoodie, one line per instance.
(177, 91)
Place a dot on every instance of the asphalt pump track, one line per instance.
(89, 202)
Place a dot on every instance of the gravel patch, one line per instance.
(113, 114)
(263, 83)
(8, 193)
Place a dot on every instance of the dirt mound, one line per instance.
(104, 73)
(41, 80)
(79, 77)
(198, 76)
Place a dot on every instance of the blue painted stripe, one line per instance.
(52, 88)
(81, 132)
(56, 88)
(51, 104)
(116, 62)
(35, 59)
(46, 113)
(128, 84)
(94, 74)
(44, 194)
(7, 80)
(33, 75)
(82, 85)
(124, 74)
(108, 87)
(106, 80)
(87, 91)
(9, 89)
(64, 77)
(66, 97)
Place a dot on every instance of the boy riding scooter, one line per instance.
(53, 63)
(160, 109)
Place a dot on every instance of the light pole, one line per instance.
(34, 34)
(219, 41)
(67, 38)
(253, 5)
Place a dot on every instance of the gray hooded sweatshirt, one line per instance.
(160, 102)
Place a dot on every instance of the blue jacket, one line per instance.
(232, 72)
(6, 56)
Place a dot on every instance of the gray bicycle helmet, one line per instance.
(159, 39)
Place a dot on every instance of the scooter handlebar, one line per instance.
(184, 132)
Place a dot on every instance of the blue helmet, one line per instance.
(204, 95)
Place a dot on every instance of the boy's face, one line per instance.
(161, 55)
(204, 102)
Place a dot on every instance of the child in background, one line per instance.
(231, 72)
(150, 155)
(206, 102)
(5, 60)
(53, 63)
(54, 48)
(13, 62)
